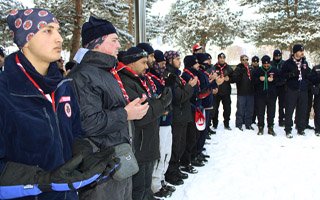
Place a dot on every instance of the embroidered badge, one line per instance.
(67, 109)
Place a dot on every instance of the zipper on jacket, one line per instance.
(141, 140)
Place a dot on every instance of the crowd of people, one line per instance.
(60, 127)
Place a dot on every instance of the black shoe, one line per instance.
(211, 132)
(182, 175)
(301, 133)
(317, 133)
(289, 135)
(167, 187)
(204, 155)
(227, 128)
(240, 128)
(271, 131)
(163, 193)
(249, 127)
(189, 169)
(260, 132)
(202, 158)
(174, 180)
(197, 163)
(208, 137)
(309, 127)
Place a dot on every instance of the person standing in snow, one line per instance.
(265, 79)
(242, 76)
(255, 66)
(295, 71)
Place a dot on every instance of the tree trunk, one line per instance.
(76, 33)
(203, 41)
(286, 3)
(295, 8)
(130, 21)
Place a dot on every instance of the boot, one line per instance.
(271, 131)
(260, 132)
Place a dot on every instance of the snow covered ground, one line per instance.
(245, 166)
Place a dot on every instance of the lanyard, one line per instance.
(47, 96)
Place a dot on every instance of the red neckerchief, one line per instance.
(205, 72)
(161, 81)
(117, 77)
(248, 71)
(191, 74)
(143, 83)
(153, 85)
(182, 80)
(221, 68)
(47, 96)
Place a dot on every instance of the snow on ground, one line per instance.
(245, 166)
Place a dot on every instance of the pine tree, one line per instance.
(286, 22)
(205, 21)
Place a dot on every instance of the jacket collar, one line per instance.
(98, 59)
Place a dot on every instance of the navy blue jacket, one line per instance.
(205, 85)
(165, 120)
(290, 73)
(31, 131)
(259, 86)
(194, 100)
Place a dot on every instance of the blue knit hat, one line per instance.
(189, 61)
(265, 59)
(158, 55)
(133, 54)
(26, 23)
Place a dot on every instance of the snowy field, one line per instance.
(245, 166)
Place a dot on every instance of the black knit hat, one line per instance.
(147, 47)
(277, 52)
(158, 55)
(96, 28)
(202, 57)
(297, 47)
(265, 59)
(189, 61)
(255, 59)
(120, 55)
(220, 55)
(133, 54)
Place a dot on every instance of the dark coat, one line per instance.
(278, 65)
(32, 132)
(181, 98)
(104, 119)
(260, 88)
(146, 134)
(290, 73)
(225, 87)
(245, 86)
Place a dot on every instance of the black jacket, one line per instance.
(101, 101)
(181, 98)
(225, 87)
(291, 73)
(265, 88)
(241, 78)
(146, 134)
(278, 65)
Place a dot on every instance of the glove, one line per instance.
(166, 97)
(170, 80)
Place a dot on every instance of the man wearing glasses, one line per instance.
(242, 76)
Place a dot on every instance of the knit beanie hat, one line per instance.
(96, 28)
(255, 59)
(146, 47)
(277, 52)
(158, 55)
(133, 54)
(265, 59)
(296, 48)
(26, 23)
(202, 57)
(196, 47)
(189, 61)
